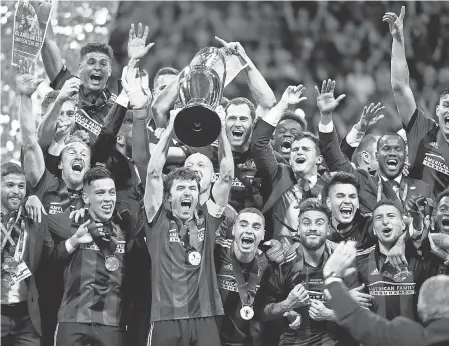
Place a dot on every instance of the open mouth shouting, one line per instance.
(387, 231)
(77, 167)
(300, 160)
(392, 163)
(107, 207)
(446, 122)
(312, 235)
(247, 241)
(445, 221)
(186, 203)
(346, 211)
(237, 134)
(96, 78)
(286, 145)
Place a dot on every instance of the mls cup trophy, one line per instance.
(200, 91)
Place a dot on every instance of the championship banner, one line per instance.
(30, 27)
(233, 66)
(84, 120)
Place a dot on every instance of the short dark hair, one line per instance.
(309, 135)
(442, 194)
(252, 211)
(394, 134)
(165, 71)
(444, 93)
(367, 141)
(224, 102)
(342, 178)
(96, 173)
(291, 115)
(242, 101)
(314, 204)
(386, 201)
(96, 47)
(180, 174)
(50, 98)
(11, 168)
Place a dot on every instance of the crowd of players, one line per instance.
(270, 235)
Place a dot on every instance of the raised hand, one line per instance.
(234, 47)
(136, 43)
(26, 80)
(319, 312)
(421, 210)
(325, 100)
(132, 84)
(395, 23)
(370, 116)
(78, 214)
(292, 95)
(82, 235)
(71, 87)
(63, 126)
(341, 261)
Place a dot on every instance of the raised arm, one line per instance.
(47, 127)
(154, 190)
(51, 55)
(222, 187)
(259, 87)
(33, 159)
(400, 77)
(263, 152)
(164, 102)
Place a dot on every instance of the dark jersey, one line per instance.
(428, 152)
(95, 111)
(359, 231)
(394, 293)
(234, 330)
(277, 285)
(93, 294)
(181, 290)
(245, 189)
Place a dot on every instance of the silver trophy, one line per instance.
(200, 91)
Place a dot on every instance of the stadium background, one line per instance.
(290, 42)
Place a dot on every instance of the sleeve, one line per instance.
(47, 180)
(272, 287)
(347, 149)
(61, 78)
(225, 229)
(418, 126)
(262, 150)
(51, 163)
(367, 327)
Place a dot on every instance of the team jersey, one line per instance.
(394, 293)
(428, 152)
(233, 329)
(181, 290)
(359, 231)
(281, 280)
(92, 293)
(245, 189)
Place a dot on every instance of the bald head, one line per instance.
(203, 167)
(433, 300)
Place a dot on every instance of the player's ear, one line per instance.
(85, 198)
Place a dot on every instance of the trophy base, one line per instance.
(197, 126)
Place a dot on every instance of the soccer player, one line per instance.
(394, 291)
(289, 184)
(23, 243)
(427, 139)
(288, 127)
(94, 256)
(181, 239)
(391, 150)
(240, 267)
(299, 285)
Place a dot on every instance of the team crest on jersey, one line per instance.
(55, 208)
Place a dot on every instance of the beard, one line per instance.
(313, 245)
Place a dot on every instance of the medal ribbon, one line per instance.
(247, 290)
(6, 231)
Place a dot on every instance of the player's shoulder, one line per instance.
(364, 253)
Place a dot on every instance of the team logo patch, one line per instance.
(55, 209)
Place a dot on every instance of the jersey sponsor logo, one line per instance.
(227, 282)
(83, 119)
(93, 247)
(316, 295)
(249, 164)
(431, 161)
(55, 208)
(384, 288)
(173, 236)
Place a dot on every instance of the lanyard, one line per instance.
(247, 290)
(402, 186)
(190, 240)
(9, 227)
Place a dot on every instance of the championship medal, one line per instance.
(194, 258)
(7, 279)
(9, 264)
(247, 312)
(112, 263)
